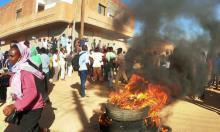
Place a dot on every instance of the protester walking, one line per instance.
(83, 62)
(109, 68)
(28, 100)
(97, 62)
(120, 61)
(69, 59)
(56, 66)
(62, 62)
(45, 68)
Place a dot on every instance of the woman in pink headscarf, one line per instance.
(28, 100)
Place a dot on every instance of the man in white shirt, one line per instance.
(97, 63)
(69, 47)
(63, 40)
(44, 44)
(114, 48)
(83, 62)
(62, 62)
(56, 66)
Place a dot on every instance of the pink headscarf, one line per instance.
(22, 64)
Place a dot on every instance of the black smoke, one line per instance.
(187, 74)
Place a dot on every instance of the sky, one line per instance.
(3, 2)
(126, 1)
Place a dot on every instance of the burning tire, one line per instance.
(119, 114)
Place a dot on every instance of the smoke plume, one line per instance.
(187, 74)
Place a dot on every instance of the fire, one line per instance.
(139, 93)
(104, 120)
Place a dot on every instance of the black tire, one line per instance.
(118, 114)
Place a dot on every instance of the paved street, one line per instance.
(71, 113)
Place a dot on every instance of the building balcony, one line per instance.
(62, 12)
(101, 21)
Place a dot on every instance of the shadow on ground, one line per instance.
(80, 110)
(210, 102)
(101, 89)
(76, 86)
(90, 125)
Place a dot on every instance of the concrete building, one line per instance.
(33, 19)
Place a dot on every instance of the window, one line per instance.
(101, 9)
(40, 7)
(18, 13)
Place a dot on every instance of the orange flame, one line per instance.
(139, 93)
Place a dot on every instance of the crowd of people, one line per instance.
(31, 69)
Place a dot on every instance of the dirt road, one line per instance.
(71, 113)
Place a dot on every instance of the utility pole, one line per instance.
(82, 19)
(73, 34)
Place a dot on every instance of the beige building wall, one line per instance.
(60, 18)
(8, 12)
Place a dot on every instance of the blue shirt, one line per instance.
(45, 62)
(63, 41)
(83, 59)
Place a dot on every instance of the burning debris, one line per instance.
(135, 108)
(138, 94)
(132, 96)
